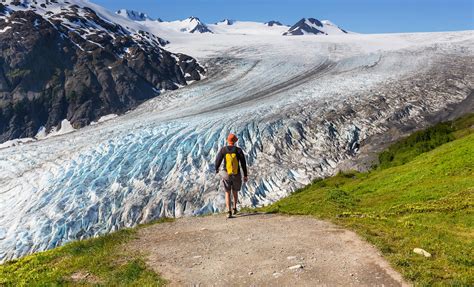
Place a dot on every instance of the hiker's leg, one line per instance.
(236, 197)
(227, 199)
(236, 186)
(227, 187)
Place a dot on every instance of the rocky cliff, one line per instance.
(63, 60)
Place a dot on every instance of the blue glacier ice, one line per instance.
(298, 116)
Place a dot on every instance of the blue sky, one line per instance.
(364, 16)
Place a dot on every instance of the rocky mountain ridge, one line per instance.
(226, 22)
(194, 25)
(311, 26)
(305, 26)
(273, 23)
(64, 60)
(135, 15)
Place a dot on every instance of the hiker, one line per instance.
(234, 159)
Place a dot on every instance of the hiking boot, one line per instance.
(235, 211)
(229, 215)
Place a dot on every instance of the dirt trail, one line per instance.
(262, 250)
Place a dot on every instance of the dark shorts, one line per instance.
(230, 182)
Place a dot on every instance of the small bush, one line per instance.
(340, 197)
(423, 141)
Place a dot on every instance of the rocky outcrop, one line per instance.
(313, 26)
(78, 66)
(226, 22)
(135, 15)
(273, 23)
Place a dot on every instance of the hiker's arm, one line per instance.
(219, 159)
(243, 163)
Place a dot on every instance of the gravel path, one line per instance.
(262, 250)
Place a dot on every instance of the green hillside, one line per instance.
(101, 261)
(420, 196)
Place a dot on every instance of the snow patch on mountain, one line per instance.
(66, 8)
(64, 128)
(15, 142)
(135, 15)
(105, 118)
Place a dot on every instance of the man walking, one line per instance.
(234, 159)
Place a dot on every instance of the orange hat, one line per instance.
(232, 139)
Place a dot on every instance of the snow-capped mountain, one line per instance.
(193, 25)
(226, 22)
(232, 27)
(135, 15)
(313, 26)
(75, 61)
(273, 23)
(189, 25)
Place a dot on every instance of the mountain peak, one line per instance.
(193, 18)
(194, 25)
(313, 26)
(313, 21)
(273, 23)
(135, 15)
(226, 22)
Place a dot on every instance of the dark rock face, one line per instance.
(135, 15)
(227, 22)
(201, 29)
(302, 26)
(312, 26)
(77, 66)
(273, 23)
(315, 22)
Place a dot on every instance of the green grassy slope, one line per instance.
(422, 141)
(98, 261)
(414, 198)
(423, 200)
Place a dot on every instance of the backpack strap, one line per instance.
(233, 150)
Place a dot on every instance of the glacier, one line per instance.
(300, 106)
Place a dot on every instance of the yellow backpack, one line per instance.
(232, 162)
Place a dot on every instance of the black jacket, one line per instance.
(231, 149)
